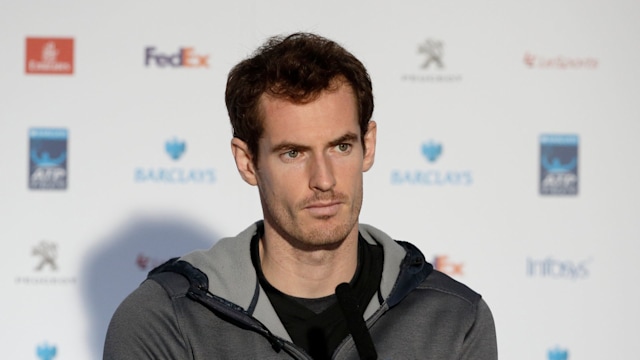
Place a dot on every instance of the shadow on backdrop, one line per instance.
(117, 266)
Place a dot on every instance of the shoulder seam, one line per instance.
(172, 291)
(453, 293)
(175, 308)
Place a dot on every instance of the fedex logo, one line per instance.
(185, 57)
(447, 266)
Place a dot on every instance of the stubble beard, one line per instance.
(312, 233)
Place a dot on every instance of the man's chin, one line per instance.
(325, 234)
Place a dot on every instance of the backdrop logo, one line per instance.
(47, 252)
(175, 148)
(45, 267)
(430, 64)
(559, 165)
(48, 159)
(146, 263)
(558, 269)
(431, 176)
(431, 151)
(432, 49)
(533, 61)
(49, 56)
(444, 264)
(184, 57)
(558, 354)
(174, 174)
(46, 351)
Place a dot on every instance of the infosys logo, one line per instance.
(558, 269)
(182, 57)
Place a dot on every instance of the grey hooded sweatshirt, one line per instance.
(209, 305)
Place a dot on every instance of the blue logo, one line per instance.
(559, 165)
(558, 354)
(175, 174)
(558, 269)
(431, 151)
(46, 352)
(48, 159)
(175, 148)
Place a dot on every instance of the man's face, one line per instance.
(309, 171)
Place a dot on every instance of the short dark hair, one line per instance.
(297, 68)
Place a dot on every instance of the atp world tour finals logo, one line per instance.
(559, 164)
(48, 159)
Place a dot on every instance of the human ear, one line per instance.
(244, 161)
(370, 145)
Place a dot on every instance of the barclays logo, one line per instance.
(46, 352)
(175, 148)
(431, 151)
(558, 269)
(558, 354)
(175, 174)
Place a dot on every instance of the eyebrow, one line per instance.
(346, 138)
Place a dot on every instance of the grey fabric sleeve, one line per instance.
(145, 326)
(480, 341)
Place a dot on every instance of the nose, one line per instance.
(321, 174)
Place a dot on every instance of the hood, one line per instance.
(232, 276)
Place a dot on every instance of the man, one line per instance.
(309, 281)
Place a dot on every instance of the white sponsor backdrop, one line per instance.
(559, 272)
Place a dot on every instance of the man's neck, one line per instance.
(307, 273)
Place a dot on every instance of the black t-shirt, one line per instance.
(317, 325)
